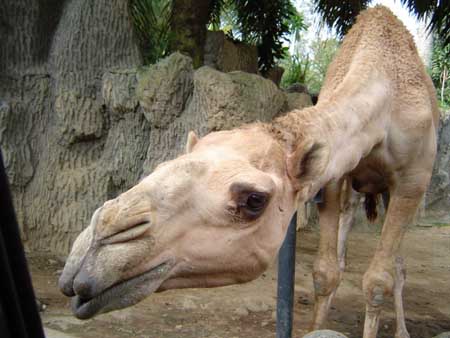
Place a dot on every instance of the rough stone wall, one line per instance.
(53, 124)
(225, 55)
(437, 202)
(80, 121)
(70, 147)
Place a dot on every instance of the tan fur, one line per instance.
(193, 221)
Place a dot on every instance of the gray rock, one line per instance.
(241, 311)
(275, 74)
(231, 99)
(324, 334)
(226, 55)
(297, 88)
(443, 335)
(163, 89)
(437, 201)
(256, 305)
(298, 100)
(118, 90)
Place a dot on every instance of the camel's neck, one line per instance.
(349, 123)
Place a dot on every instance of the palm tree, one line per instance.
(341, 14)
(264, 23)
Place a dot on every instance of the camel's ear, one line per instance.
(191, 141)
(307, 163)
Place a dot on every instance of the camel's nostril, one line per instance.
(84, 285)
(66, 287)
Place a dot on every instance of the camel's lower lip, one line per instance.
(123, 294)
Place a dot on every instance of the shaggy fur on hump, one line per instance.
(377, 41)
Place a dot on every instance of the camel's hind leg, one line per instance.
(349, 203)
(381, 279)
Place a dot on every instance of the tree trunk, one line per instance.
(189, 20)
(54, 126)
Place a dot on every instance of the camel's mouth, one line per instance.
(122, 294)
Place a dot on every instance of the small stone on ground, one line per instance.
(443, 335)
(324, 334)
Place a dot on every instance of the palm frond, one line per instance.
(338, 14)
(151, 19)
(265, 23)
(342, 14)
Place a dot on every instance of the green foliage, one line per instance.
(151, 19)
(439, 70)
(342, 14)
(296, 70)
(264, 23)
(309, 65)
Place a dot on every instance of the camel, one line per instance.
(218, 214)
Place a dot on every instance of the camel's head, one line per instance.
(214, 216)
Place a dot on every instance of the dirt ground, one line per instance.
(249, 310)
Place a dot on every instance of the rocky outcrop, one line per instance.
(163, 89)
(437, 204)
(232, 99)
(90, 146)
(226, 55)
(298, 100)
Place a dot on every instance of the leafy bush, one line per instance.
(151, 19)
(310, 63)
(439, 71)
(263, 23)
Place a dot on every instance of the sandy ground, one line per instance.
(249, 310)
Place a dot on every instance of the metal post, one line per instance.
(286, 280)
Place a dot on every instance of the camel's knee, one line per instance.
(378, 284)
(326, 276)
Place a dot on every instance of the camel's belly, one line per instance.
(370, 176)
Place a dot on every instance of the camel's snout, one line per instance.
(66, 286)
(82, 284)
(85, 285)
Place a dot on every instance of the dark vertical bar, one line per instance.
(286, 279)
(18, 308)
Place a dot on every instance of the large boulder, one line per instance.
(298, 100)
(226, 55)
(438, 196)
(228, 100)
(163, 89)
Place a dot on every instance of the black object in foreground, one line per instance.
(286, 279)
(19, 317)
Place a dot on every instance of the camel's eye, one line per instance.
(247, 203)
(256, 201)
(252, 204)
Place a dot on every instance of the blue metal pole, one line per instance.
(286, 280)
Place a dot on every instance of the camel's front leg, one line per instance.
(383, 278)
(326, 268)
